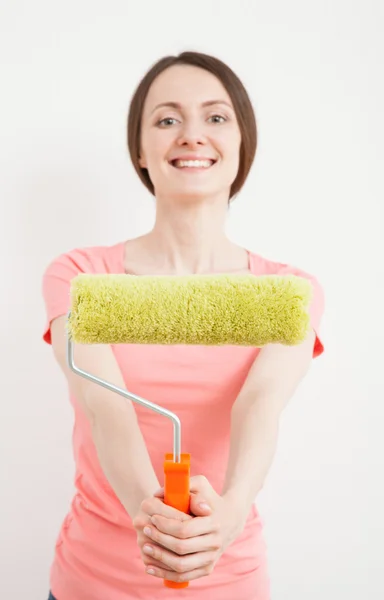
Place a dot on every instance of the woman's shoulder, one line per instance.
(261, 265)
(87, 259)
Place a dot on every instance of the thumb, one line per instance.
(199, 506)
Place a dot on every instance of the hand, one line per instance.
(155, 506)
(186, 548)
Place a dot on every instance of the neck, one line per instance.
(190, 238)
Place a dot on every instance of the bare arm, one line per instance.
(120, 446)
(270, 384)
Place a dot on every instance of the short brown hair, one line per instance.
(237, 92)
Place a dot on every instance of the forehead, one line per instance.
(187, 85)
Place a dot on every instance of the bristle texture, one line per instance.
(245, 310)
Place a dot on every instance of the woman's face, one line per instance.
(188, 116)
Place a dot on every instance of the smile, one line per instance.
(192, 164)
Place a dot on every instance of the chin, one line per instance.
(198, 192)
(195, 195)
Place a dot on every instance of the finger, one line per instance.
(179, 577)
(200, 484)
(155, 506)
(148, 560)
(180, 564)
(199, 506)
(184, 529)
(159, 493)
(199, 543)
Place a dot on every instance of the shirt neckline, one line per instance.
(121, 267)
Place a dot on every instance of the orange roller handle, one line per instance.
(176, 493)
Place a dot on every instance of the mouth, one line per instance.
(189, 165)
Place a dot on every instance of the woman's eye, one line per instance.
(166, 121)
(217, 117)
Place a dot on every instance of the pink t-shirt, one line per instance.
(96, 554)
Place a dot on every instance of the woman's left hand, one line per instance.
(190, 549)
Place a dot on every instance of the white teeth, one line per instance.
(193, 163)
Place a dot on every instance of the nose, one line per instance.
(192, 134)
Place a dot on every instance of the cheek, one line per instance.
(228, 144)
(157, 148)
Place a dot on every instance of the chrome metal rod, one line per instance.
(113, 388)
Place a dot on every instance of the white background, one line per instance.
(314, 71)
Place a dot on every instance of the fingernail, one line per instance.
(204, 506)
(151, 571)
(148, 550)
(147, 531)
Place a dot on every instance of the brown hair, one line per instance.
(237, 92)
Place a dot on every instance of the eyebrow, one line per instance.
(204, 104)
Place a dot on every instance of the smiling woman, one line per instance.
(199, 96)
(192, 138)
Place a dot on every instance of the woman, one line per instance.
(192, 139)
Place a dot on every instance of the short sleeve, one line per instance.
(317, 306)
(56, 284)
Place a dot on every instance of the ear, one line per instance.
(142, 162)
